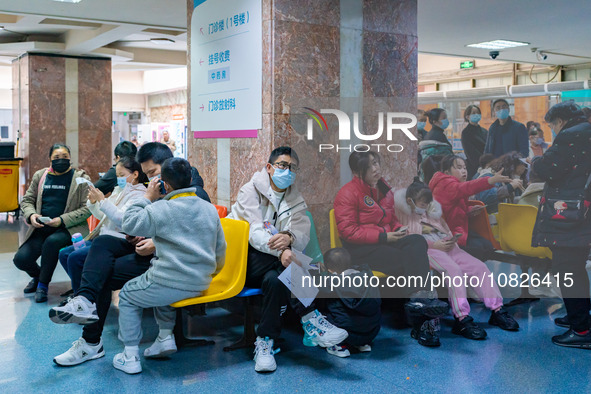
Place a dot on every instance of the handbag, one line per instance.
(566, 210)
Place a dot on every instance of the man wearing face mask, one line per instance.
(276, 212)
(505, 134)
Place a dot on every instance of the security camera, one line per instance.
(493, 54)
(541, 56)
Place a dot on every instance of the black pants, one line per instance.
(478, 246)
(45, 242)
(262, 272)
(111, 262)
(406, 257)
(572, 261)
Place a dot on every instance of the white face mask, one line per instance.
(419, 211)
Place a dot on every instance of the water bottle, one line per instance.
(78, 241)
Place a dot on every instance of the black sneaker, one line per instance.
(32, 286)
(562, 322)
(427, 334)
(40, 295)
(468, 329)
(504, 320)
(572, 339)
(426, 304)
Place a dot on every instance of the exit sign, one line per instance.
(467, 64)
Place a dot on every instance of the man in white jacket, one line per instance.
(276, 212)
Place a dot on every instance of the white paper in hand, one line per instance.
(293, 277)
(81, 180)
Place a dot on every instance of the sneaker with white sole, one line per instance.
(80, 352)
(321, 332)
(161, 348)
(364, 348)
(339, 351)
(264, 355)
(78, 310)
(127, 364)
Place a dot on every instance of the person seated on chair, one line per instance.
(371, 233)
(188, 236)
(107, 182)
(130, 186)
(451, 189)
(533, 193)
(110, 263)
(54, 207)
(353, 308)
(416, 209)
(276, 212)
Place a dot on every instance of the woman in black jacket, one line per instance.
(439, 122)
(473, 139)
(564, 219)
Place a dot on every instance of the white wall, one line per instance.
(165, 80)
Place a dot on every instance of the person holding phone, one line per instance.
(370, 231)
(416, 208)
(55, 208)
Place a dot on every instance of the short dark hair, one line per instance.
(337, 260)
(176, 172)
(468, 111)
(449, 161)
(125, 149)
(418, 191)
(58, 146)
(434, 114)
(501, 100)
(359, 162)
(283, 150)
(531, 123)
(132, 165)
(566, 111)
(155, 151)
(508, 162)
(430, 166)
(485, 159)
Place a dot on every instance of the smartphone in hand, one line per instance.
(402, 230)
(453, 238)
(162, 188)
(44, 219)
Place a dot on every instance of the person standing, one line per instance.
(505, 134)
(564, 222)
(167, 141)
(473, 139)
(439, 122)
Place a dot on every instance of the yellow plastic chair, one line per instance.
(230, 280)
(516, 225)
(335, 239)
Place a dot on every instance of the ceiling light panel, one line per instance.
(498, 44)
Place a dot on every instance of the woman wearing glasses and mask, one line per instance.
(55, 208)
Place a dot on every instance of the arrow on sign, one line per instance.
(201, 30)
(200, 62)
(201, 108)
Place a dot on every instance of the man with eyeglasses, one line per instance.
(505, 134)
(276, 212)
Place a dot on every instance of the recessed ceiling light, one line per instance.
(161, 41)
(68, 1)
(498, 44)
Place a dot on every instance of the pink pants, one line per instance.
(456, 263)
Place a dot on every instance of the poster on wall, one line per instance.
(226, 68)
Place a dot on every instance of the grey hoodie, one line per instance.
(187, 234)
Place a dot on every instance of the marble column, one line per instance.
(353, 55)
(63, 99)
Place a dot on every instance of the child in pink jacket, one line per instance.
(416, 209)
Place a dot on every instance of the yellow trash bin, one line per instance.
(9, 170)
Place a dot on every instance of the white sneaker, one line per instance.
(77, 310)
(321, 332)
(127, 364)
(338, 351)
(161, 347)
(364, 348)
(80, 352)
(264, 355)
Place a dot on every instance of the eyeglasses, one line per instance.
(283, 165)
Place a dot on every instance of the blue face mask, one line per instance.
(502, 114)
(122, 181)
(553, 133)
(475, 118)
(445, 124)
(421, 125)
(539, 141)
(283, 178)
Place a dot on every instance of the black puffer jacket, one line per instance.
(356, 309)
(565, 167)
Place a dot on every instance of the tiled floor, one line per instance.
(506, 362)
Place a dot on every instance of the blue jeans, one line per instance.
(73, 262)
